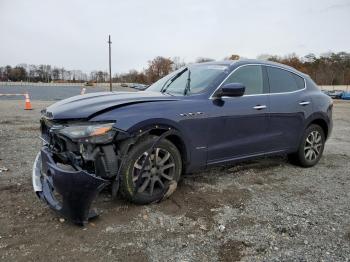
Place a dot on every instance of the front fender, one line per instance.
(153, 122)
(193, 131)
(164, 124)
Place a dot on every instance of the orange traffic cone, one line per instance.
(28, 105)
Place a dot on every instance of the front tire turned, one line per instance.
(163, 168)
(311, 147)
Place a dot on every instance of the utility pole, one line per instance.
(110, 64)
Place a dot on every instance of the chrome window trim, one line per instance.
(279, 67)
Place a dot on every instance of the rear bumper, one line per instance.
(76, 188)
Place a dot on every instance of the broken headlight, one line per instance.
(95, 133)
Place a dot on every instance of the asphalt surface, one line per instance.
(262, 210)
(51, 93)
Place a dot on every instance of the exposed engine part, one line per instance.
(106, 162)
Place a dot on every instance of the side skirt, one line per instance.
(247, 157)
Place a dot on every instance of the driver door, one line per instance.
(238, 125)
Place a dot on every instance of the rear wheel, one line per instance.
(311, 147)
(164, 166)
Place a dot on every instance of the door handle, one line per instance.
(259, 107)
(304, 103)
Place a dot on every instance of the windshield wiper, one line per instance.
(165, 86)
(188, 83)
(168, 93)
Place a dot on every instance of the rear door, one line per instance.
(289, 105)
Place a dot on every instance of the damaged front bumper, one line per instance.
(76, 189)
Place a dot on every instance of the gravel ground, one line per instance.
(263, 210)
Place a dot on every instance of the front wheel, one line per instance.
(163, 167)
(311, 147)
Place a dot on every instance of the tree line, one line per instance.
(326, 69)
(41, 73)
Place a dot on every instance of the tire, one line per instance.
(167, 172)
(311, 147)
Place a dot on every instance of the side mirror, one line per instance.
(231, 89)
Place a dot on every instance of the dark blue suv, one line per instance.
(139, 143)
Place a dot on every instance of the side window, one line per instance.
(283, 81)
(250, 76)
(300, 81)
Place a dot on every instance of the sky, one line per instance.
(73, 33)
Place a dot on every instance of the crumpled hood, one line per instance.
(85, 106)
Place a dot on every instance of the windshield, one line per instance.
(188, 80)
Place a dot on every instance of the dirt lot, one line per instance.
(264, 210)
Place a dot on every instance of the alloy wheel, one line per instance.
(159, 171)
(313, 145)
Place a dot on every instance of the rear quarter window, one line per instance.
(300, 81)
(283, 81)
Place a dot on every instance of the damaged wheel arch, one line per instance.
(175, 137)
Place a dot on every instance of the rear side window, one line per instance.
(300, 81)
(250, 76)
(283, 81)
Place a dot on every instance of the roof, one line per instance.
(252, 61)
(266, 62)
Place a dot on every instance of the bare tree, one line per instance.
(158, 68)
(178, 63)
(55, 74)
